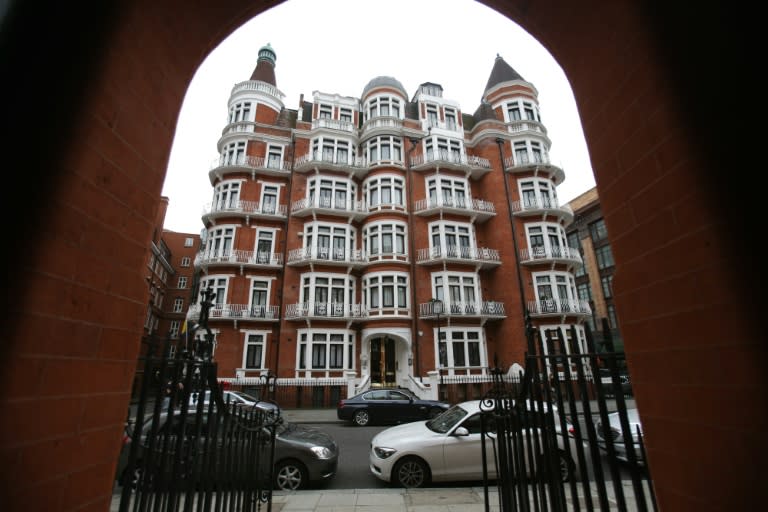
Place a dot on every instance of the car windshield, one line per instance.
(444, 422)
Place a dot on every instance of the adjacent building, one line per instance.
(385, 238)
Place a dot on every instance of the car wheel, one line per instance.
(411, 472)
(361, 418)
(131, 479)
(290, 475)
(564, 468)
(435, 411)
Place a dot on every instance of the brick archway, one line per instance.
(92, 107)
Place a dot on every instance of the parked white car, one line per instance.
(615, 436)
(448, 448)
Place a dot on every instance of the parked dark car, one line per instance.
(303, 454)
(383, 406)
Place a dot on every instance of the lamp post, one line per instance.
(437, 309)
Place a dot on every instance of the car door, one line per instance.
(401, 407)
(463, 456)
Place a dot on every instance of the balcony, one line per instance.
(477, 209)
(333, 124)
(258, 313)
(327, 256)
(482, 310)
(474, 166)
(256, 165)
(538, 255)
(525, 162)
(242, 259)
(349, 209)
(318, 160)
(555, 307)
(542, 208)
(480, 257)
(243, 209)
(380, 126)
(325, 311)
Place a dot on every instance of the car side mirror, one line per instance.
(461, 431)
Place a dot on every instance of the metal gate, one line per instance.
(194, 455)
(563, 440)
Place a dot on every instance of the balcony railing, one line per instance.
(325, 310)
(330, 205)
(382, 123)
(272, 166)
(538, 206)
(326, 255)
(553, 307)
(452, 158)
(333, 124)
(243, 208)
(541, 254)
(238, 257)
(236, 311)
(331, 161)
(459, 254)
(478, 208)
(486, 309)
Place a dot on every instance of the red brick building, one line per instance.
(386, 237)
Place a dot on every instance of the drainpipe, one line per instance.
(280, 317)
(412, 251)
(499, 143)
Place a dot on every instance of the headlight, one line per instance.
(384, 453)
(321, 452)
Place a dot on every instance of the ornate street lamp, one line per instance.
(437, 309)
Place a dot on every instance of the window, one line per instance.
(240, 112)
(513, 112)
(384, 148)
(450, 119)
(333, 193)
(613, 319)
(458, 291)
(333, 151)
(189, 241)
(385, 291)
(519, 109)
(329, 241)
(598, 231)
(326, 350)
(259, 298)
(547, 239)
(452, 240)
(219, 242)
(345, 114)
(432, 119)
(446, 191)
(584, 292)
(264, 246)
(461, 348)
(274, 157)
(218, 285)
(527, 152)
(269, 195)
(439, 148)
(327, 294)
(607, 284)
(385, 240)
(233, 154)
(253, 355)
(325, 111)
(555, 291)
(384, 191)
(538, 193)
(604, 257)
(226, 196)
(173, 331)
(178, 305)
(182, 282)
(185, 261)
(382, 106)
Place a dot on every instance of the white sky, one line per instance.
(338, 46)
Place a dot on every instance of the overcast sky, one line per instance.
(338, 46)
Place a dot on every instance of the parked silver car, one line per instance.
(614, 434)
(303, 454)
(448, 448)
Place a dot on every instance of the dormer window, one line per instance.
(326, 112)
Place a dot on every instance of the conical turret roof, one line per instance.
(501, 72)
(265, 66)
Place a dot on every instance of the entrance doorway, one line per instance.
(383, 362)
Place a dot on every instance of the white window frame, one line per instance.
(333, 150)
(182, 282)
(257, 339)
(459, 291)
(233, 153)
(320, 292)
(220, 285)
(226, 195)
(546, 238)
(242, 111)
(315, 232)
(375, 287)
(375, 235)
(451, 191)
(185, 261)
(376, 187)
(173, 330)
(308, 339)
(455, 338)
(189, 241)
(384, 148)
(384, 105)
(462, 233)
(178, 305)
